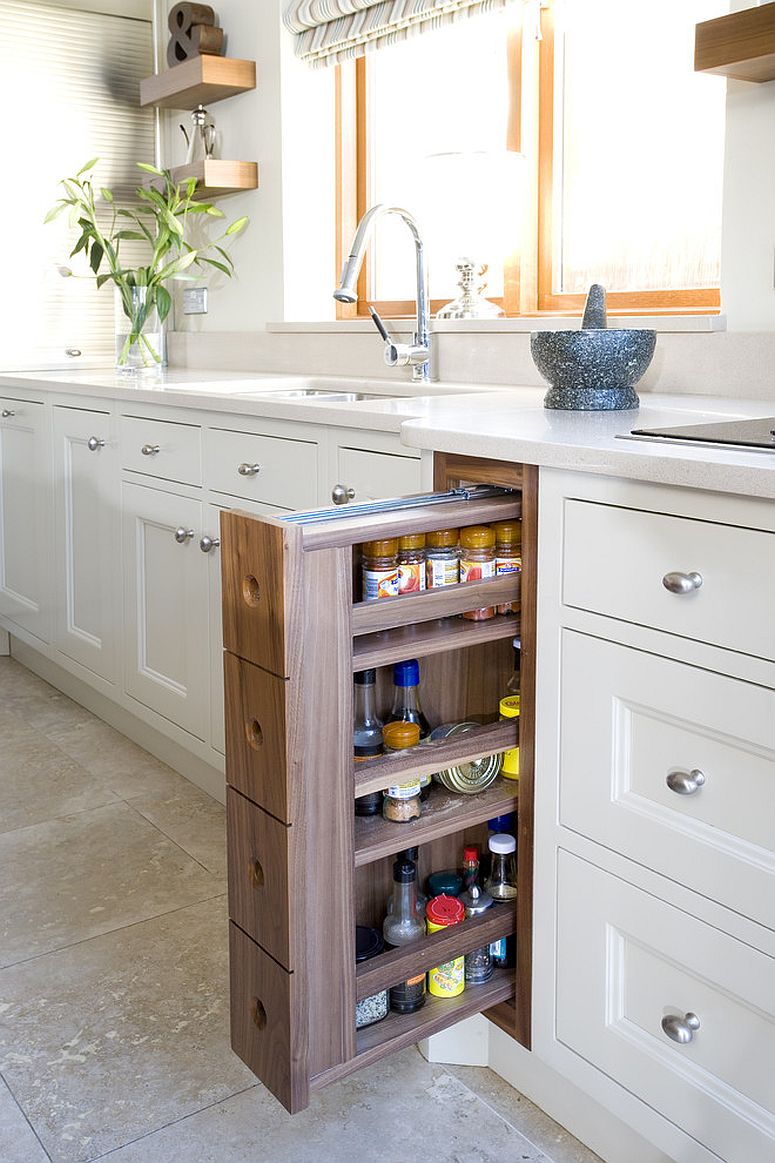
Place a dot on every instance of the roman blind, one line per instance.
(69, 87)
(330, 31)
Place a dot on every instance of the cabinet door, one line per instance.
(365, 475)
(25, 494)
(166, 616)
(86, 539)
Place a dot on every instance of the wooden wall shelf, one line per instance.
(216, 178)
(200, 81)
(740, 45)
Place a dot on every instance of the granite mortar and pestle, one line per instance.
(594, 369)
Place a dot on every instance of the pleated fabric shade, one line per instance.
(330, 31)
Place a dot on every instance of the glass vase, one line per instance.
(141, 341)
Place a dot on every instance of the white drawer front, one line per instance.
(269, 469)
(614, 561)
(374, 475)
(626, 961)
(642, 720)
(161, 448)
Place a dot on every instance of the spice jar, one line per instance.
(442, 558)
(411, 563)
(368, 944)
(447, 980)
(502, 886)
(380, 569)
(508, 555)
(477, 562)
(401, 801)
(479, 963)
(509, 709)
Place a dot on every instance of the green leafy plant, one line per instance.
(159, 218)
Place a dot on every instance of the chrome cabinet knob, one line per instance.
(208, 543)
(6, 412)
(341, 494)
(183, 535)
(248, 470)
(94, 442)
(73, 352)
(150, 449)
(681, 1029)
(682, 583)
(684, 784)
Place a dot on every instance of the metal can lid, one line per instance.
(445, 910)
(475, 901)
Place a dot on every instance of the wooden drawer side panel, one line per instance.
(257, 762)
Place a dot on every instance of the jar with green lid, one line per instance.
(477, 563)
(401, 801)
(442, 558)
(508, 555)
(509, 709)
(380, 569)
(411, 563)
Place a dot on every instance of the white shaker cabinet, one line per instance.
(373, 468)
(25, 524)
(87, 571)
(166, 606)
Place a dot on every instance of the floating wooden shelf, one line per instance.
(200, 81)
(740, 45)
(217, 178)
(421, 640)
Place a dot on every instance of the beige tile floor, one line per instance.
(113, 983)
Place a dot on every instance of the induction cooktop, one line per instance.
(758, 434)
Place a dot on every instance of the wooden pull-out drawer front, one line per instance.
(161, 448)
(256, 718)
(264, 879)
(615, 560)
(633, 970)
(262, 468)
(673, 766)
(269, 1021)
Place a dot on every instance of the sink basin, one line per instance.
(329, 394)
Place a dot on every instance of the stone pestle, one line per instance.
(595, 317)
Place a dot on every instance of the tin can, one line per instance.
(466, 778)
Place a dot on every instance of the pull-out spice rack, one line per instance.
(303, 870)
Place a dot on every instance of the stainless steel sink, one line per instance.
(330, 394)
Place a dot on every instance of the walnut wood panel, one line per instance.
(268, 1020)
(198, 81)
(385, 771)
(450, 470)
(740, 45)
(444, 602)
(262, 594)
(454, 941)
(421, 639)
(467, 684)
(258, 763)
(266, 877)
(354, 529)
(444, 812)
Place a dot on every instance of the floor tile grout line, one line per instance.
(109, 932)
(66, 815)
(167, 836)
(480, 1098)
(174, 1122)
(23, 1113)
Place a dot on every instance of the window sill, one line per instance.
(660, 323)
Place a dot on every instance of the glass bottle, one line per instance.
(401, 801)
(406, 707)
(501, 883)
(411, 563)
(367, 735)
(477, 563)
(470, 866)
(514, 685)
(410, 854)
(479, 963)
(508, 555)
(442, 558)
(401, 927)
(380, 569)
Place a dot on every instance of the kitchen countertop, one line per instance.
(502, 423)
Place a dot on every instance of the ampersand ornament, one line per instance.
(193, 33)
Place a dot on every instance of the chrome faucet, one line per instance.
(418, 352)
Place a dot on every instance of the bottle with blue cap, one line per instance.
(406, 705)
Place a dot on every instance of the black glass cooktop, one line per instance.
(735, 433)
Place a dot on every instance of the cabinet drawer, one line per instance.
(632, 745)
(626, 962)
(262, 468)
(161, 448)
(256, 736)
(373, 475)
(615, 559)
(261, 879)
(268, 1020)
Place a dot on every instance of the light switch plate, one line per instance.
(195, 301)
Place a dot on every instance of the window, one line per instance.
(623, 145)
(69, 83)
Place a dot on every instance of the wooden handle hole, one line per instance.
(258, 1013)
(251, 590)
(256, 874)
(254, 734)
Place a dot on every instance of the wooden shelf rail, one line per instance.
(422, 639)
(445, 602)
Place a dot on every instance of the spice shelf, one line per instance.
(198, 81)
(303, 870)
(445, 813)
(740, 45)
(374, 774)
(420, 640)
